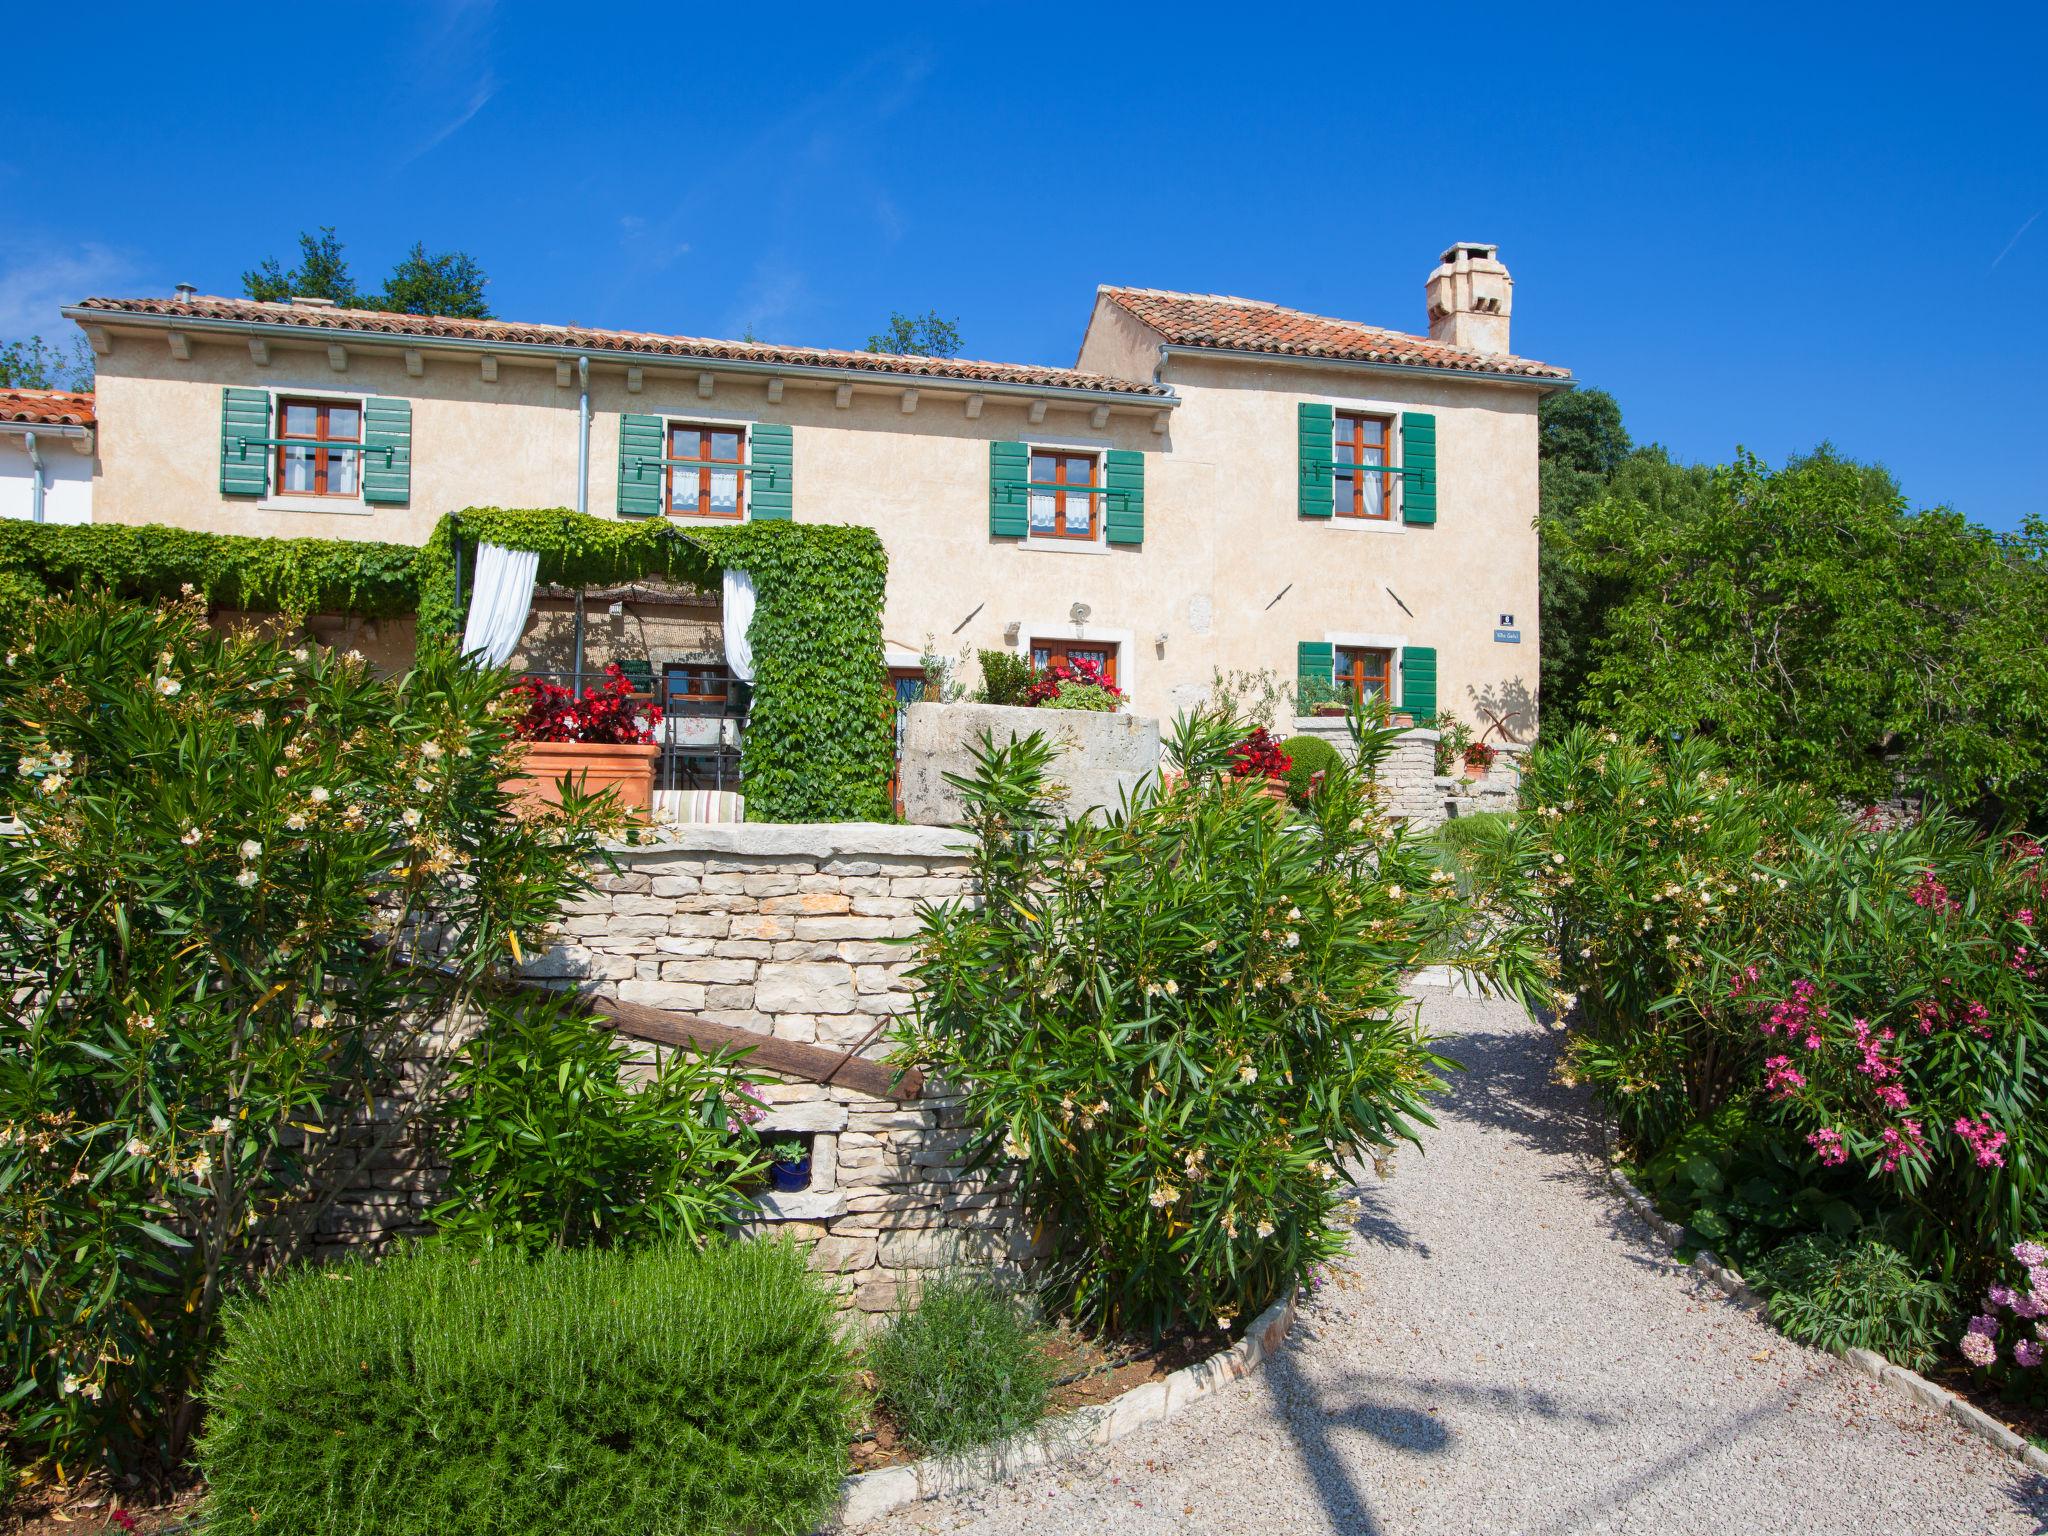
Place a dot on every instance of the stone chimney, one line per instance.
(1470, 296)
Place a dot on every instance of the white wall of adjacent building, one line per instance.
(66, 474)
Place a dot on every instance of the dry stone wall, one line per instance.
(1415, 789)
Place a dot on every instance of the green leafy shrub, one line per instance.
(657, 1390)
(1180, 1020)
(548, 1144)
(1453, 737)
(1006, 678)
(1484, 850)
(224, 845)
(963, 1367)
(1837, 1294)
(1309, 756)
(1091, 697)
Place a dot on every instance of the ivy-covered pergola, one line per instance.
(819, 743)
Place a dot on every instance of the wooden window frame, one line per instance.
(1386, 469)
(739, 467)
(322, 457)
(1063, 650)
(1353, 678)
(1095, 488)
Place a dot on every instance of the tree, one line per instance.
(449, 284)
(1821, 631)
(37, 364)
(1581, 429)
(322, 273)
(925, 335)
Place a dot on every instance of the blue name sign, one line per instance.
(1508, 636)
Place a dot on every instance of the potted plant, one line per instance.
(602, 740)
(1075, 684)
(1453, 737)
(1478, 758)
(789, 1164)
(1260, 757)
(1314, 696)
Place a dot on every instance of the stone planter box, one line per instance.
(594, 766)
(1102, 756)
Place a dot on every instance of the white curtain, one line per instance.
(499, 604)
(739, 618)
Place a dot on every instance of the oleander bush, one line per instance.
(1855, 1003)
(1180, 1021)
(656, 1390)
(249, 882)
(962, 1366)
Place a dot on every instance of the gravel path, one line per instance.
(1509, 1351)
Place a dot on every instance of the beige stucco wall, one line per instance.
(1222, 536)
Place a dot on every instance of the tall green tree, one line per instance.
(1821, 630)
(38, 364)
(926, 335)
(451, 283)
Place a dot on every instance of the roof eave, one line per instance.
(1425, 370)
(326, 335)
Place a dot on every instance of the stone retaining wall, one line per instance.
(1415, 789)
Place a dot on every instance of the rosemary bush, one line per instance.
(963, 1367)
(1179, 1021)
(657, 1390)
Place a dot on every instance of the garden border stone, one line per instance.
(1910, 1384)
(867, 1496)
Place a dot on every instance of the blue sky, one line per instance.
(1764, 228)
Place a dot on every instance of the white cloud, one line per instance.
(35, 281)
(774, 292)
(451, 62)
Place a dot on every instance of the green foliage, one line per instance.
(820, 740)
(1484, 850)
(1580, 430)
(38, 364)
(964, 1367)
(926, 335)
(1259, 698)
(665, 1390)
(1084, 696)
(1310, 756)
(322, 273)
(1453, 737)
(549, 1145)
(150, 561)
(221, 843)
(1006, 678)
(1837, 1294)
(1181, 1020)
(1822, 633)
(448, 284)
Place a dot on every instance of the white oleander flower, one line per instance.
(169, 687)
(251, 848)
(430, 750)
(411, 817)
(137, 1147)
(220, 1125)
(247, 878)
(318, 794)
(295, 822)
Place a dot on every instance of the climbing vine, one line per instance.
(819, 742)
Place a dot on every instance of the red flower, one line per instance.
(609, 714)
(1259, 755)
(1058, 673)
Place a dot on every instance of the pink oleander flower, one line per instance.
(2033, 1255)
(2025, 917)
(1988, 1326)
(1977, 1349)
(2029, 1305)
(1983, 1139)
(2026, 1353)
(1871, 1044)
(1827, 1146)
(1933, 895)
(1781, 1078)
(1893, 1097)
(1999, 1295)
(1901, 1142)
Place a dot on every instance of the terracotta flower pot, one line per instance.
(1274, 791)
(593, 766)
(1331, 711)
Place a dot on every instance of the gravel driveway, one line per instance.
(1509, 1351)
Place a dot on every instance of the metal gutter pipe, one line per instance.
(35, 477)
(1410, 370)
(583, 435)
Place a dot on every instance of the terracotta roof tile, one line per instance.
(47, 407)
(370, 322)
(1252, 325)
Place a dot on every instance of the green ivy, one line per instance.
(820, 741)
(293, 576)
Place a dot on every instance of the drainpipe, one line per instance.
(583, 435)
(35, 477)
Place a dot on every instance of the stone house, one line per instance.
(1219, 483)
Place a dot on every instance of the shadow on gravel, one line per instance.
(1379, 1226)
(2028, 1495)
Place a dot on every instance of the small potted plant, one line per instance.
(1260, 757)
(789, 1164)
(602, 740)
(1316, 697)
(1453, 737)
(1478, 758)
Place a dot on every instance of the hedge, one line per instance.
(819, 743)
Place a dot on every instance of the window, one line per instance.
(1101, 653)
(716, 489)
(1365, 472)
(307, 468)
(1066, 498)
(1365, 673)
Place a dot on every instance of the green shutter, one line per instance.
(1418, 460)
(1007, 470)
(387, 450)
(640, 476)
(1418, 682)
(1318, 489)
(1315, 661)
(769, 480)
(1126, 514)
(244, 457)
